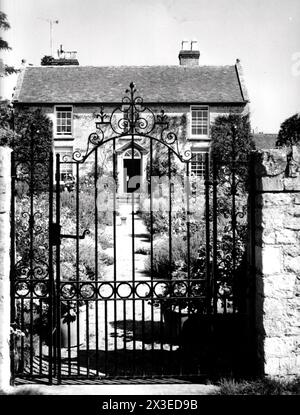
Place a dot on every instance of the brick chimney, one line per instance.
(189, 54)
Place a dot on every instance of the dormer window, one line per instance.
(63, 117)
(199, 122)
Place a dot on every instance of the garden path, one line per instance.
(126, 324)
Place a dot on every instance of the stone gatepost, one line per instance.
(277, 259)
(5, 199)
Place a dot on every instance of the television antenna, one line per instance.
(51, 22)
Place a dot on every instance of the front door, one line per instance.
(132, 175)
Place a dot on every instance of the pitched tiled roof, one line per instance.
(89, 84)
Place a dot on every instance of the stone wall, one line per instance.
(277, 259)
(5, 191)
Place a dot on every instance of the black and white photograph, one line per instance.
(149, 201)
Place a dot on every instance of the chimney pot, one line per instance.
(182, 44)
(189, 57)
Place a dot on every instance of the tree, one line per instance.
(7, 135)
(34, 130)
(231, 138)
(4, 25)
(31, 140)
(289, 133)
(231, 145)
(25, 129)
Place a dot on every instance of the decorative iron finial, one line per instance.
(102, 115)
(134, 119)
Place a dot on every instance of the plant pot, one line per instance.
(173, 322)
(68, 331)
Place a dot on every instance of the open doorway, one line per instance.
(132, 170)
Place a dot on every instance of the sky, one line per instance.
(263, 34)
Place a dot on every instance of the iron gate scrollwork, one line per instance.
(138, 276)
(32, 283)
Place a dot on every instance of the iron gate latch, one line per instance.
(55, 235)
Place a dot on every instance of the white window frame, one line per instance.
(56, 134)
(128, 154)
(199, 107)
(65, 168)
(203, 152)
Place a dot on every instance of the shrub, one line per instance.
(86, 207)
(289, 133)
(264, 386)
(161, 262)
(142, 251)
(160, 216)
(231, 138)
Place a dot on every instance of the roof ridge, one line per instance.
(128, 66)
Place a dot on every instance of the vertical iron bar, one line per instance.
(105, 336)
(188, 218)
(22, 328)
(170, 232)
(68, 322)
(12, 261)
(151, 209)
(251, 309)
(51, 281)
(58, 312)
(124, 322)
(31, 226)
(87, 339)
(133, 245)
(40, 340)
(170, 214)
(115, 252)
(207, 233)
(77, 267)
(233, 211)
(188, 236)
(215, 240)
(181, 354)
(31, 334)
(151, 252)
(143, 335)
(96, 263)
(161, 351)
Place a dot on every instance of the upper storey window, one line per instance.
(199, 121)
(64, 117)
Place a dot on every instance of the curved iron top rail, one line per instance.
(131, 118)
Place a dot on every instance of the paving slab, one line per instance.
(107, 390)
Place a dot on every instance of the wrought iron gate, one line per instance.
(132, 285)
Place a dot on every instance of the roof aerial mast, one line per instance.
(51, 22)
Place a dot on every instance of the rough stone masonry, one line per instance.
(277, 257)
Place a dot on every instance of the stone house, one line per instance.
(191, 93)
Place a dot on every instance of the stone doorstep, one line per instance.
(107, 390)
